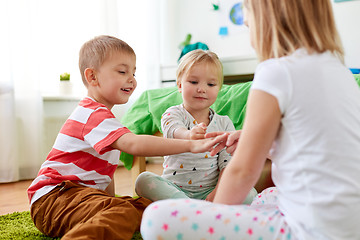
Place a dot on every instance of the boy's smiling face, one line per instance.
(114, 81)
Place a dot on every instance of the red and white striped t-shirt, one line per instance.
(82, 151)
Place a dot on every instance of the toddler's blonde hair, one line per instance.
(94, 52)
(195, 57)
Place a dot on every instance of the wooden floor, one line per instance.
(13, 196)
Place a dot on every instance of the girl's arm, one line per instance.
(261, 126)
(147, 145)
(174, 125)
(211, 195)
(197, 132)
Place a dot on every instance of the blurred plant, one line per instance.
(65, 76)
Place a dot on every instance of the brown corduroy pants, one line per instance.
(78, 212)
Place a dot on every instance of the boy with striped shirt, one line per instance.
(73, 194)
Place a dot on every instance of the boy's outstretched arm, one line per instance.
(147, 145)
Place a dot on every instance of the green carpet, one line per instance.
(19, 225)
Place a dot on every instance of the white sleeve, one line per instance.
(172, 119)
(272, 77)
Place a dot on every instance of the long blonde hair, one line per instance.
(282, 26)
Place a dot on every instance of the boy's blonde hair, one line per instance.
(195, 57)
(94, 52)
(282, 26)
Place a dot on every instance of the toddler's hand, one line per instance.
(198, 131)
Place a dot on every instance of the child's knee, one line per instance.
(151, 218)
(250, 197)
(148, 180)
(145, 176)
(267, 196)
(142, 180)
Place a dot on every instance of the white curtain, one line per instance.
(139, 25)
(40, 39)
(8, 164)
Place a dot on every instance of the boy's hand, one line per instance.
(207, 145)
(198, 131)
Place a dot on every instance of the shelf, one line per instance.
(61, 98)
(233, 67)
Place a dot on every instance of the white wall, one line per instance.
(180, 17)
(347, 16)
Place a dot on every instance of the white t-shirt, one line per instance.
(316, 156)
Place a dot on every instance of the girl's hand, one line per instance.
(207, 145)
(232, 141)
(198, 131)
(230, 144)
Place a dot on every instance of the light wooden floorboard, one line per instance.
(13, 196)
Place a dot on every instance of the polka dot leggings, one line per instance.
(183, 219)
